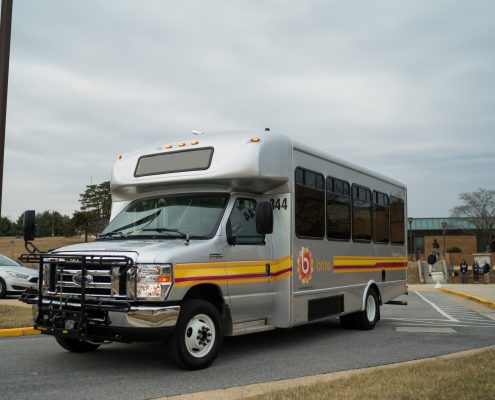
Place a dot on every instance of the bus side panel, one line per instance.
(281, 268)
(330, 277)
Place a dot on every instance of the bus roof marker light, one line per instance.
(182, 144)
(168, 146)
(255, 139)
(194, 142)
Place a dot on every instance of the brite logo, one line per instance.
(305, 265)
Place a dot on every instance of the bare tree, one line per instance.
(479, 209)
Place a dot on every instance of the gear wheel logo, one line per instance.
(305, 265)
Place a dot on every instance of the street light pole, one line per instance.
(410, 220)
(444, 226)
(5, 30)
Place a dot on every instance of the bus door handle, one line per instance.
(267, 269)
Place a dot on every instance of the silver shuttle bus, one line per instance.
(226, 235)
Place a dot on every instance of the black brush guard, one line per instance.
(75, 315)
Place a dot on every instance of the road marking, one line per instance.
(423, 329)
(444, 323)
(437, 308)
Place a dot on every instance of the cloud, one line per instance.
(405, 88)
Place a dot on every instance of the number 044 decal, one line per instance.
(279, 203)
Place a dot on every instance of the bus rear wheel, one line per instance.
(366, 319)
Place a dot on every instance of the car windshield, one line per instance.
(191, 216)
(7, 261)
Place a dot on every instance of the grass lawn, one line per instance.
(15, 316)
(470, 377)
(13, 247)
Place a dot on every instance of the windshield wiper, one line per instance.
(166, 230)
(119, 234)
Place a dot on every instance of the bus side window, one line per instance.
(361, 213)
(381, 218)
(338, 210)
(310, 204)
(397, 228)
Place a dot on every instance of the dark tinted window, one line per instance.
(310, 204)
(338, 209)
(361, 213)
(397, 230)
(381, 218)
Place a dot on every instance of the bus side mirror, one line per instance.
(232, 240)
(264, 218)
(29, 225)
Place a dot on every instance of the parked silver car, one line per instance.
(15, 279)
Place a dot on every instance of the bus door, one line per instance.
(248, 259)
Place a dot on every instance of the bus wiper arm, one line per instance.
(164, 230)
(112, 234)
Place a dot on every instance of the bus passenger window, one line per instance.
(310, 204)
(397, 229)
(361, 213)
(381, 218)
(338, 209)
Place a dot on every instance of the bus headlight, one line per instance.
(153, 281)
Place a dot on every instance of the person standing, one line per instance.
(476, 271)
(464, 268)
(486, 272)
(436, 248)
(432, 259)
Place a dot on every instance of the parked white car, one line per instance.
(15, 279)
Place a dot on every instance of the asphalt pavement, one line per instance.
(37, 367)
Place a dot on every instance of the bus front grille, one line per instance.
(104, 276)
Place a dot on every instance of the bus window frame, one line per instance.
(295, 204)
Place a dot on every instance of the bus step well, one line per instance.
(242, 328)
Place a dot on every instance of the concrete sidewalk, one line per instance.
(480, 292)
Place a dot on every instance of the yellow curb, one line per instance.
(486, 302)
(19, 331)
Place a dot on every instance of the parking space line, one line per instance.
(450, 318)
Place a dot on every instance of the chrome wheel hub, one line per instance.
(200, 335)
(371, 308)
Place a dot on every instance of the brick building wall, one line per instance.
(466, 243)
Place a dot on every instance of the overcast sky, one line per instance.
(406, 88)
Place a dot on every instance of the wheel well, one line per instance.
(375, 287)
(207, 292)
(4, 284)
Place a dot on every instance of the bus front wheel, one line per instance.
(197, 335)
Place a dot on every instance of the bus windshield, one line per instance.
(188, 216)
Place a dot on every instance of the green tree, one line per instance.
(479, 209)
(97, 199)
(6, 226)
(51, 223)
(96, 205)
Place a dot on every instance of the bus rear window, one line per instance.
(177, 161)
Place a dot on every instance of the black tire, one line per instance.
(3, 288)
(76, 346)
(197, 336)
(367, 319)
